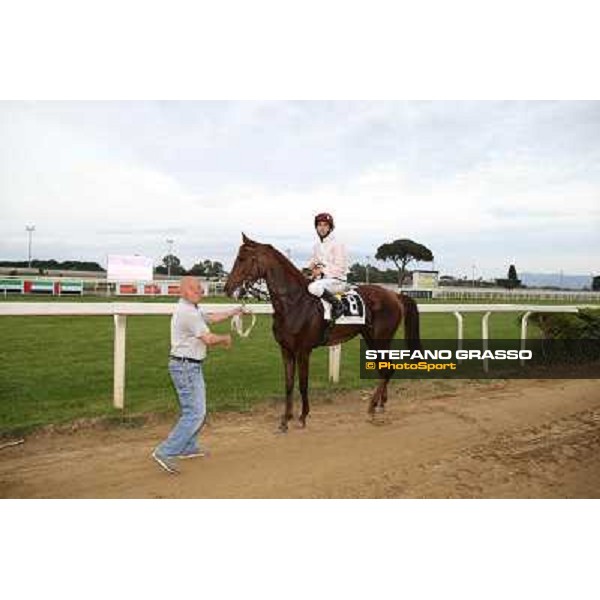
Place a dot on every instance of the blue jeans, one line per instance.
(189, 383)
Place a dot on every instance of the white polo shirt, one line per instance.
(187, 323)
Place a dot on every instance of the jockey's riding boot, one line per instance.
(337, 308)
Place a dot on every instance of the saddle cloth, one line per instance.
(354, 309)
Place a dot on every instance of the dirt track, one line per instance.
(516, 439)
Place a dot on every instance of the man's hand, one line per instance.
(223, 315)
(215, 339)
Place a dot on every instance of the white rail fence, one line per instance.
(121, 310)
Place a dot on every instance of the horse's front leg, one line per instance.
(289, 363)
(303, 364)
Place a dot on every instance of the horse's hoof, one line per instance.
(378, 419)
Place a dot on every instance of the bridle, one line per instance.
(253, 289)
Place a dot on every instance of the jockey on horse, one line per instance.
(298, 316)
(329, 264)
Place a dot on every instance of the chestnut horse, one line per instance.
(299, 325)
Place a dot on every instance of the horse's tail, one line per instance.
(411, 322)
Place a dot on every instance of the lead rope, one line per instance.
(237, 322)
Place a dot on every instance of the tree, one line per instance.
(357, 273)
(402, 252)
(216, 269)
(198, 270)
(511, 281)
(67, 265)
(172, 264)
(596, 283)
(207, 268)
(512, 277)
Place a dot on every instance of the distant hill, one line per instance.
(572, 282)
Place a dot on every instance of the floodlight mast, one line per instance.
(29, 229)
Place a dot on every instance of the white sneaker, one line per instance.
(168, 464)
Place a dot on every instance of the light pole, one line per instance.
(169, 257)
(30, 229)
(367, 270)
(473, 274)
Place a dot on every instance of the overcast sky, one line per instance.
(479, 183)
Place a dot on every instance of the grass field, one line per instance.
(57, 369)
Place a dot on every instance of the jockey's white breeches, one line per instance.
(335, 286)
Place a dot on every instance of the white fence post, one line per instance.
(459, 332)
(119, 361)
(524, 334)
(335, 353)
(485, 334)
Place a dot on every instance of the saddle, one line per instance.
(354, 309)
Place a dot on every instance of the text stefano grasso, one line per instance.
(499, 354)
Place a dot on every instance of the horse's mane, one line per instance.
(287, 264)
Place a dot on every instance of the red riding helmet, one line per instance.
(325, 218)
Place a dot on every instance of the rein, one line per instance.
(237, 321)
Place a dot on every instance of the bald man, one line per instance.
(190, 336)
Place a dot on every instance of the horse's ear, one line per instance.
(247, 240)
